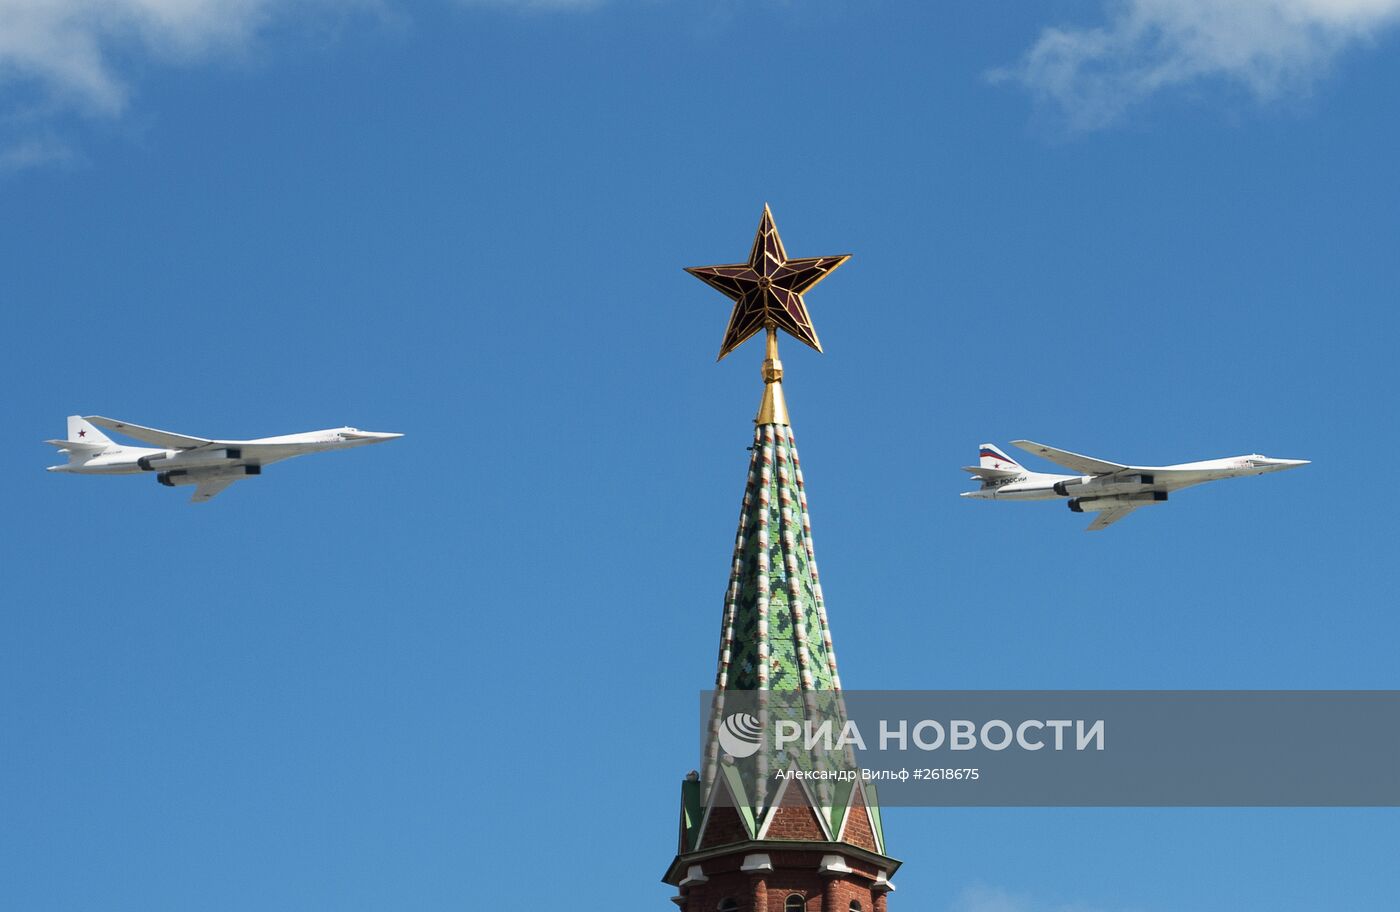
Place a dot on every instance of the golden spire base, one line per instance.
(773, 408)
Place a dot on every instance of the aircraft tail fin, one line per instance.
(84, 442)
(989, 456)
(83, 432)
(994, 466)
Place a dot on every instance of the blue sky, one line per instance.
(461, 669)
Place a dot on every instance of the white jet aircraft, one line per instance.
(1107, 488)
(177, 459)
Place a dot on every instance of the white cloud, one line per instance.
(1270, 47)
(66, 48)
(77, 57)
(983, 898)
(60, 58)
(989, 899)
(38, 150)
(537, 4)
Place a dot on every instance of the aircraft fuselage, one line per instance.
(118, 460)
(1110, 489)
(1141, 479)
(178, 460)
(125, 460)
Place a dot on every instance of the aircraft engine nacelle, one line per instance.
(1095, 504)
(174, 478)
(184, 459)
(1101, 485)
(147, 463)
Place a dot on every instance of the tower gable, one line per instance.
(723, 827)
(856, 828)
(794, 816)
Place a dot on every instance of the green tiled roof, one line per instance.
(775, 637)
(775, 634)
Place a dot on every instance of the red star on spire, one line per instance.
(768, 289)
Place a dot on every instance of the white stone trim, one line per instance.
(757, 862)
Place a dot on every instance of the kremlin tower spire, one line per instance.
(753, 839)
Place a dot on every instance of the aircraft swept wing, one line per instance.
(1107, 518)
(264, 451)
(149, 435)
(1084, 465)
(206, 489)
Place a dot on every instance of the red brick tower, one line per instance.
(750, 839)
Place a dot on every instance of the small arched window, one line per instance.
(728, 905)
(795, 903)
(856, 906)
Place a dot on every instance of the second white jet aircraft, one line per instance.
(178, 459)
(1107, 488)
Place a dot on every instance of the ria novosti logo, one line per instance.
(740, 735)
